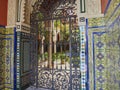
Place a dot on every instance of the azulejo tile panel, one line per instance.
(2, 58)
(113, 55)
(97, 58)
(106, 47)
(23, 60)
(7, 57)
(82, 56)
(96, 45)
(93, 22)
(112, 45)
(99, 61)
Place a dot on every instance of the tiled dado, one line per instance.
(23, 57)
(2, 58)
(96, 45)
(113, 55)
(112, 45)
(97, 66)
(6, 58)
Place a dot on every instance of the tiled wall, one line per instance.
(25, 58)
(104, 49)
(96, 53)
(2, 58)
(112, 19)
(6, 58)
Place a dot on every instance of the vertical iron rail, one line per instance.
(87, 55)
(70, 31)
(15, 56)
(36, 44)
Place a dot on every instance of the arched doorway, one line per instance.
(57, 45)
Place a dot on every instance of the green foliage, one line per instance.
(46, 55)
(40, 16)
(57, 23)
(54, 57)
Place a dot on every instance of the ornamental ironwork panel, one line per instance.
(57, 45)
(59, 54)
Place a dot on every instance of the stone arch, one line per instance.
(24, 10)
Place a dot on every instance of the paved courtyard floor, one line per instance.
(34, 88)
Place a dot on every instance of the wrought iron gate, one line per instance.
(57, 48)
(58, 54)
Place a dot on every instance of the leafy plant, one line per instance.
(46, 55)
(62, 58)
(53, 57)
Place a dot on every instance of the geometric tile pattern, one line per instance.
(7, 57)
(93, 22)
(82, 56)
(96, 45)
(2, 60)
(100, 44)
(113, 55)
(23, 57)
(113, 45)
(100, 67)
(99, 61)
(23, 77)
(113, 11)
(100, 56)
(106, 56)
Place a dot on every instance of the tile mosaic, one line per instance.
(93, 22)
(2, 57)
(7, 57)
(96, 44)
(113, 54)
(105, 56)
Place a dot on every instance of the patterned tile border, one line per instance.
(82, 56)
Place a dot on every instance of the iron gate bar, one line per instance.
(70, 53)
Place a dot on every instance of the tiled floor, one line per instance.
(34, 88)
